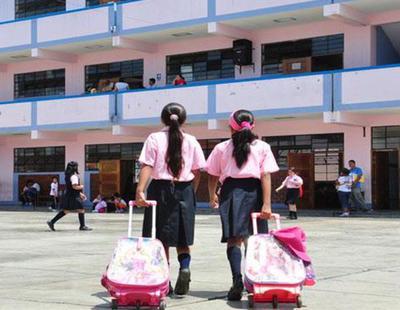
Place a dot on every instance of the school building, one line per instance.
(321, 76)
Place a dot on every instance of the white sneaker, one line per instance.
(344, 214)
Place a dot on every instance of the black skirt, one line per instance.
(71, 202)
(292, 196)
(175, 216)
(238, 199)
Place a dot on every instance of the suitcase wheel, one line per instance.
(299, 302)
(275, 303)
(163, 305)
(250, 300)
(114, 303)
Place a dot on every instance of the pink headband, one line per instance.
(243, 125)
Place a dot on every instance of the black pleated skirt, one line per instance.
(71, 201)
(292, 196)
(175, 216)
(238, 199)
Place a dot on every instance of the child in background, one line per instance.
(343, 186)
(54, 194)
(120, 204)
(243, 165)
(293, 183)
(100, 204)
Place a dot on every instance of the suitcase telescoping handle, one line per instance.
(256, 215)
(153, 205)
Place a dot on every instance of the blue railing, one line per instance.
(206, 83)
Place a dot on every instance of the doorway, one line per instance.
(385, 180)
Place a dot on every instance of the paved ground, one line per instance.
(357, 262)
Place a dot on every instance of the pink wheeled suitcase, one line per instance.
(138, 274)
(272, 272)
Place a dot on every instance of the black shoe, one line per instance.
(85, 228)
(290, 216)
(236, 291)
(182, 284)
(294, 215)
(51, 225)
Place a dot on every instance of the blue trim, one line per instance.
(212, 8)
(119, 18)
(34, 115)
(78, 125)
(16, 130)
(111, 107)
(34, 34)
(49, 98)
(212, 100)
(119, 107)
(87, 189)
(327, 91)
(16, 189)
(337, 91)
(370, 105)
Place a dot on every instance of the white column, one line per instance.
(358, 148)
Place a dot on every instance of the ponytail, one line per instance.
(174, 115)
(242, 123)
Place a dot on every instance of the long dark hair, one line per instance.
(242, 138)
(72, 168)
(174, 115)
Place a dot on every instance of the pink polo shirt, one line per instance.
(261, 160)
(155, 149)
(293, 181)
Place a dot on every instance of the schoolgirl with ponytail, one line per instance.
(243, 166)
(172, 159)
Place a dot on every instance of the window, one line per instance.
(327, 150)
(27, 8)
(43, 83)
(131, 71)
(210, 65)
(386, 138)
(99, 2)
(96, 152)
(326, 53)
(40, 159)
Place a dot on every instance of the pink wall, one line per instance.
(356, 146)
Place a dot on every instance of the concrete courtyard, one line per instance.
(357, 261)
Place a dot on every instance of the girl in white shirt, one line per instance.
(343, 186)
(54, 194)
(293, 183)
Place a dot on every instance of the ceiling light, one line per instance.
(285, 20)
(94, 47)
(182, 34)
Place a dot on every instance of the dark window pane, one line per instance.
(28, 8)
(43, 83)
(41, 159)
(210, 65)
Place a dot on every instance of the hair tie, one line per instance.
(174, 117)
(243, 125)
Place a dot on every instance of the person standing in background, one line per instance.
(293, 183)
(54, 194)
(357, 199)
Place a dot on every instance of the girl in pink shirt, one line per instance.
(242, 165)
(173, 160)
(293, 183)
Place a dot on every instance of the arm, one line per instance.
(280, 187)
(266, 189)
(144, 177)
(196, 180)
(212, 187)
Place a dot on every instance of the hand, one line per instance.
(214, 202)
(141, 199)
(266, 212)
(277, 190)
(83, 196)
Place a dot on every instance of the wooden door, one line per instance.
(109, 177)
(304, 164)
(385, 180)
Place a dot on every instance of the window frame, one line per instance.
(24, 8)
(39, 159)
